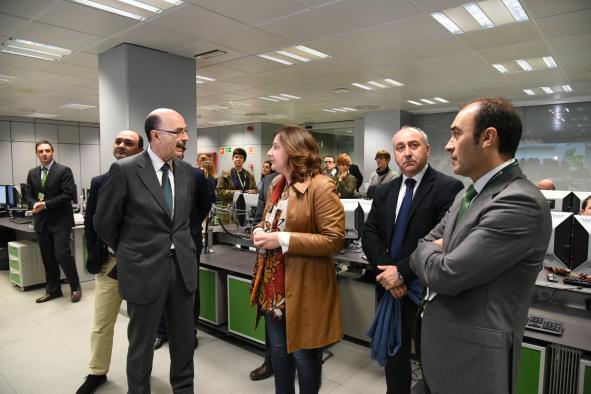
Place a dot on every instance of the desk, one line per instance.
(27, 232)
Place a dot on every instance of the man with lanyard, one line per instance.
(237, 179)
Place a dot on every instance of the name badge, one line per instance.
(41, 196)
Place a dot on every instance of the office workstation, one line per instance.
(352, 74)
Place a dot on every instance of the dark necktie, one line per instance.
(468, 197)
(402, 221)
(166, 188)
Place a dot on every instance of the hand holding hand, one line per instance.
(389, 278)
(38, 207)
(265, 240)
(399, 291)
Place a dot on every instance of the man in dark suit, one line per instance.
(266, 369)
(403, 211)
(201, 207)
(101, 261)
(481, 261)
(143, 215)
(50, 192)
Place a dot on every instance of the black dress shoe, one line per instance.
(91, 383)
(76, 295)
(263, 372)
(158, 342)
(49, 297)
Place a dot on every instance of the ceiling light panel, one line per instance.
(341, 109)
(275, 59)
(480, 15)
(6, 79)
(80, 107)
(141, 5)
(414, 102)
(113, 10)
(204, 79)
(526, 65)
(280, 97)
(32, 49)
(295, 54)
(433, 101)
(382, 84)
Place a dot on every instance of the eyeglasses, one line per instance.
(175, 132)
(328, 162)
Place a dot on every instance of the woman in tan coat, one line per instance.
(294, 284)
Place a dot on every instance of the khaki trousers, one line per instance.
(107, 302)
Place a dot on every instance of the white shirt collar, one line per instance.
(483, 180)
(48, 166)
(157, 162)
(418, 177)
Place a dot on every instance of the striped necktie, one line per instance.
(468, 197)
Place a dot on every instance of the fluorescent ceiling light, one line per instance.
(113, 10)
(479, 15)
(312, 51)
(205, 78)
(51, 48)
(567, 88)
(361, 86)
(547, 89)
(379, 85)
(349, 109)
(516, 10)
(222, 122)
(529, 92)
(27, 55)
(393, 82)
(339, 110)
(6, 78)
(441, 100)
(198, 81)
(293, 56)
(524, 65)
(414, 102)
(446, 22)
(279, 98)
(269, 99)
(81, 107)
(42, 115)
(34, 50)
(329, 110)
(290, 96)
(175, 2)
(275, 59)
(141, 5)
(500, 68)
(550, 62)
(427, 101)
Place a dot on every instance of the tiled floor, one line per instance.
(44, 348)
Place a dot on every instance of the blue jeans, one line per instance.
(307, 362)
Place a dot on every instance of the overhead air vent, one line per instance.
(367, 107)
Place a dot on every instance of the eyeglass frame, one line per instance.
(175, 132)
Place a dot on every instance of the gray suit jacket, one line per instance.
(133, 219)
(484, 276)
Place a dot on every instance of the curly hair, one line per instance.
(304, 155)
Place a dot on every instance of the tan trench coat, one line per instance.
(316, 221)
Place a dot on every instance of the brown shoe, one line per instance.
(76, 295)
(263, 372)
(49, 297)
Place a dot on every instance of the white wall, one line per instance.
(378, 130)
(75, 144)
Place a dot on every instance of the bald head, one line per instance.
(546, 184)
(127, 143)
(165, 128)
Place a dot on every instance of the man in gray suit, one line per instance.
(481, 261)
(143, 215)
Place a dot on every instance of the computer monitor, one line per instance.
(3, 196)
(350, 206)
(361, 215)
(244, 204)
(11, 196)
(559, 246)
(581, 255)
(559, 200)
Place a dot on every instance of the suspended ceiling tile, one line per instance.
(534, 79)
(398, 33)
(374, 58)
(570, 44)
(345, 44)
(252, 64)
(253, 41)
(198, 22)
(82, 59)
(436, 5)
(501, 36)
(9, 24)
(71, 70)
(25, 8)
(155, 37)
(86, 19)
(316, 26)
(204, 46)
(565, 24)
(57, 36)
(220, 72)
(443, 63)
(358, 14)
(524, 50)
(252, 12)
(433, 48)
(543, 8)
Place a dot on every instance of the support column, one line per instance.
(133, 81)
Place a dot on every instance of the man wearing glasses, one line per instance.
(143, 215)
(330, 167)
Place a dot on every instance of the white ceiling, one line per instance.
(366, 39)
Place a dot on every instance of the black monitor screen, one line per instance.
(3, 195)
(10, 197)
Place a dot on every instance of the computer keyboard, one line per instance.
(541, 324)
(21, 220)
(577, 281)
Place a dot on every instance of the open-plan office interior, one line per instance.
(76, 72)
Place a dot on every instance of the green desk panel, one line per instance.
(211, 293)
(241, 317)
(531, 369)
(585, 377)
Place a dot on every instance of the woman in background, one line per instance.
(204, 163)
(294, 285)
(346, 182)
(265, 170)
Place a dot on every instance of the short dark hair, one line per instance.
(152, 123)
(331, 156)
(382, 153)
(43, 142)
(585, 202)
(499, 113)
(239, 151)
(140, 140)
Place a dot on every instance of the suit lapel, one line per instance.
(394, 187)
(51, 175)
(424, 188)
(150, 180)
